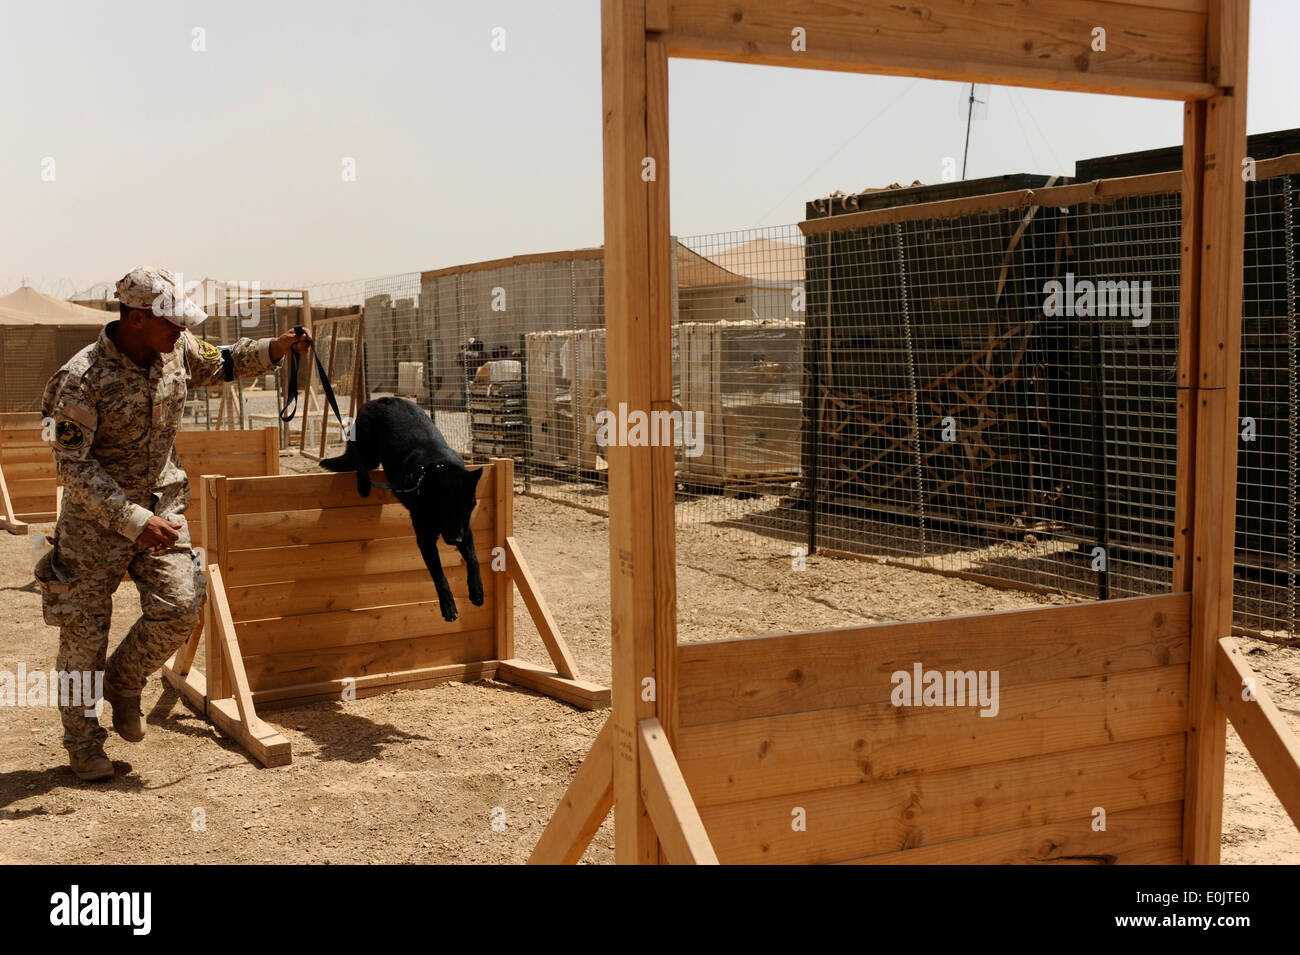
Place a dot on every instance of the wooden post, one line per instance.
(1220, 199)
(637, 321)
(503, 472)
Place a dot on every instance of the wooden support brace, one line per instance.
(239, 719)
(541, 614)
(668, 800)
(1261, 727)
(8, 519)
(580, 693)
(584, 807)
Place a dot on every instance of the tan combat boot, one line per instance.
(128, 720)
(90, 764)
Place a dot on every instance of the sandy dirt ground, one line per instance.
(420, 775)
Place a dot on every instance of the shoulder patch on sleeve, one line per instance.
(208, 350)
(69, 435)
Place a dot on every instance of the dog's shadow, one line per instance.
(340, 734)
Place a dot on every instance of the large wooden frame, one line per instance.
(739, 727)
(315, 593)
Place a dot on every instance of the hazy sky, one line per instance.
(228, 162)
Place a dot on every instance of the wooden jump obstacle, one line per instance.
(314, 592)
(789, 748)
(29, 491)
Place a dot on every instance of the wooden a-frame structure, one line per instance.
(699, 768)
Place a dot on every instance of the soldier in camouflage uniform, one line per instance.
(116, 406)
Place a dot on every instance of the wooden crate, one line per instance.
(745, 378)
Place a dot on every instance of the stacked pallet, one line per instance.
(743, 378)
(496, 411)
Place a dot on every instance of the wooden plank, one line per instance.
(1189, 322)
(629, 339)
(681, 834)
(32, 454)
(271, 442)
(288, 492)
(1148, 835)
(230, 463)
(580, 693)
(763, 676)
(369, 627)
(556, 647)
(261, 741)
(503, 468)
(29, 488)
(584, 807)
(330, 524)
(375, 684)
(35, 470)
(1262, 728)
(215, 500)
(223, 634)
(7, 513)
(319, 664)
(662, 257)
(308, 562)
(198, 443)
(317, 595)
(768, 756)
(12, 438)
(929, 808)
(1223, 203)
(1150, 52)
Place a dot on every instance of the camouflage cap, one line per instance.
(157, 290)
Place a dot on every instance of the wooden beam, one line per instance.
(584, 807)
(1222, 201)
(541, 614)
(503, 477)
(8, 519)
(668, 799)
(1156, 51)
(629, 341)
(1261, 727)
(581, 693)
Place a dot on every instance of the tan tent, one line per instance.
(38, 333)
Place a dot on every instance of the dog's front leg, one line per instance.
(428, 544)
(472, 572)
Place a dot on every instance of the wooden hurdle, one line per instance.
(27, 467)
(315, 593)
(791, 748)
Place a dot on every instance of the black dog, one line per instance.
(427, 476)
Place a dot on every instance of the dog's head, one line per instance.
(447, 496)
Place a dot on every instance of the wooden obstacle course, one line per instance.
(314, 590)
(739, 735)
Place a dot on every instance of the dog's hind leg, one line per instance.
(428, 544)
(472, 572)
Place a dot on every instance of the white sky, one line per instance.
(227, 163)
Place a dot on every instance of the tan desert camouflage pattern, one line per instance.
(157, 290)
(114, 429)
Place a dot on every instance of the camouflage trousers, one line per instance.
(89, 562)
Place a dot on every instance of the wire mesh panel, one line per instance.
(1266, 571)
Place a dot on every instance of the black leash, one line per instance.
(290, 408)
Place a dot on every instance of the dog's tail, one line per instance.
(351, 459)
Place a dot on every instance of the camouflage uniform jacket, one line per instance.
(115, 426)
